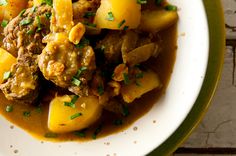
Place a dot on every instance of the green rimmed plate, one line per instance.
(216, 25)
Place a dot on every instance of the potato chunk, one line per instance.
(154, 21)
(63, 14)
(148, 82)
(6, 61)
(64, 118)
(12, 9)
(114, 14)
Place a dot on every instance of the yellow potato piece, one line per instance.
(6, 61)
(154, 21)
(63, 14)
(12, 9)
(122, 10)
(64, 119)
(133, 91)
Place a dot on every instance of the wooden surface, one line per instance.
(217, 132)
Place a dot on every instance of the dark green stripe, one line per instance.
(215, 63)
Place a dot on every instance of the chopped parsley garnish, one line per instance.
(6, 75)
(29, 32)
(72, 117)
(38, 110)
(38, 24)
(126, 27)
(76, 81)
(26, 22)
(81, 133)
(26, 114)
(118, 122)
(89, 14)
(80, 71)
(142, 1)
(97, 131)
(139, 75)
(51, 135)
(121, 23)
(90, 24)
(110, 16)
(125, 111)
(83, 42)
(72, 103)
(138, 83)
(100, 89)
(48, 2)
(22, 12)
(33, 9)
(48, 15)
(9, 108)
(171, 8)
(4, 23)
(126, 78)
(158, 2)
(3, 2)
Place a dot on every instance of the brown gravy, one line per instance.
(36, 123)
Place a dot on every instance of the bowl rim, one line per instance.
(215, 17)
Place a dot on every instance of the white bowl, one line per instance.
(169, 112)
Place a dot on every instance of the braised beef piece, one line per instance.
(83, 10)
(66, 65)
(23, 39)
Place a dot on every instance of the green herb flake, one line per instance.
(142, 1)
(89, 14)
(126, 78)
(22, 13)
(26, 114)
(81, 133)
(158, 2)
(9, 108)
(118, 122)
(110, 16)
(100, 89)
(171, 8)
(80, 71)
(97, 131)
(72, 103)
(83, 42)
(50, 135)
(6, 75)
(39, 110)
(29, 32)
(138, 83)
(3, 2)
(38, 24)
(33, 9)
(75, 81)
(139, 75)
(90, 24)
(125, 111)
(121, 23)
(48, 2)
(126, 28)
(26, 22)
(48, 15)
(4, 23)
(72, 117)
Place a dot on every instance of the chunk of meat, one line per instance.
(23, 39)
(111, 46)
(82, 7)
(27, 31)
(65, 65)
(117, 46)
